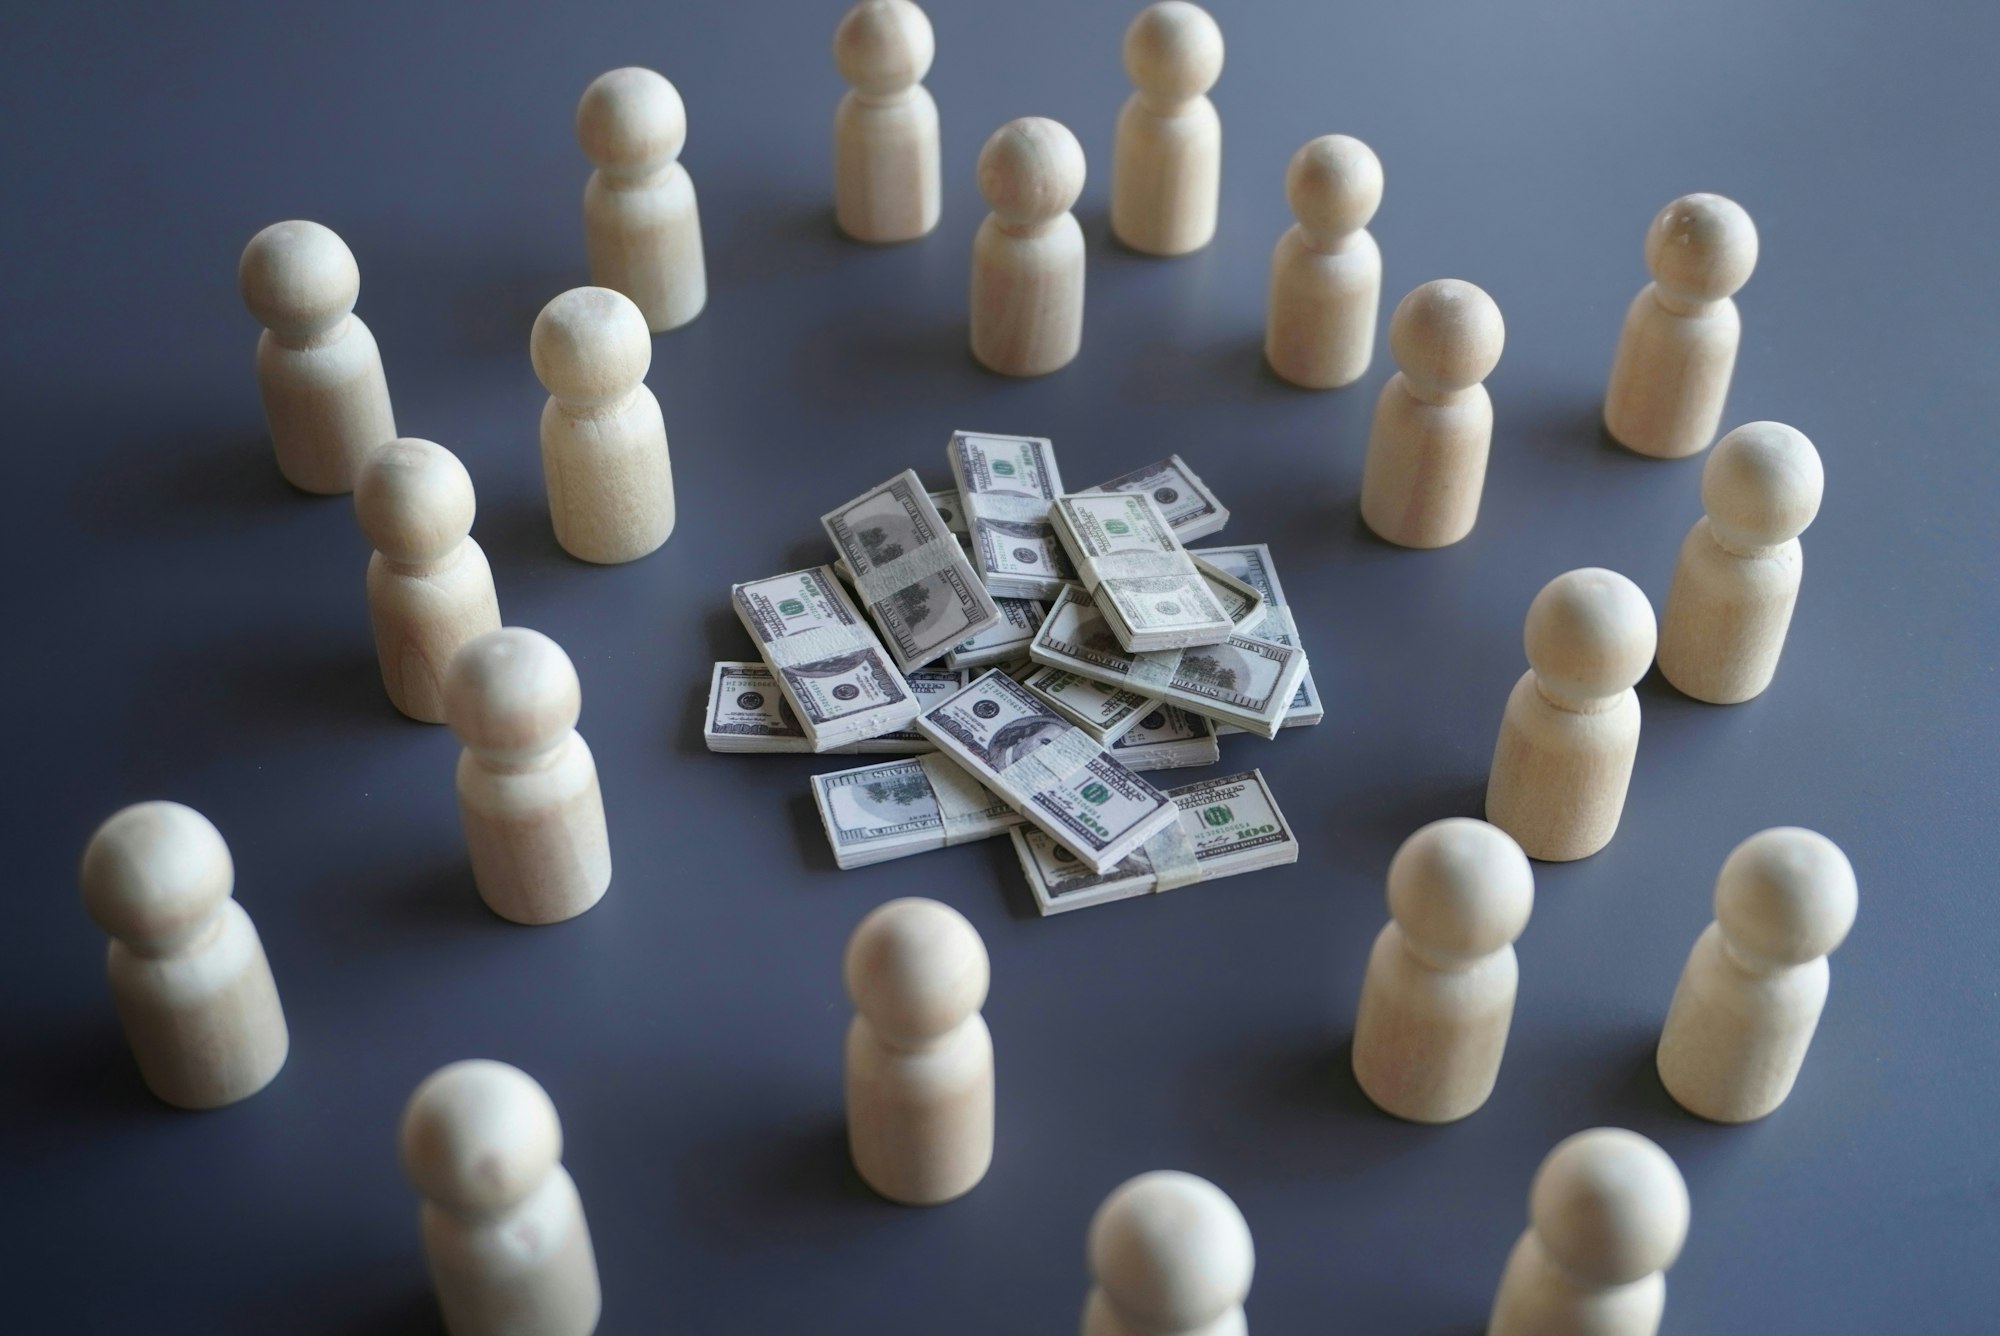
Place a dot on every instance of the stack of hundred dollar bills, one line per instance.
(1026, 653)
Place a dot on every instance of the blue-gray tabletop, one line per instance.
(184, 625)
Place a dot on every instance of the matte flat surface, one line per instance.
(181, 624)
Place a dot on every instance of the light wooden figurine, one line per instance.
(1678, 348)
(188, 973)
(527, 785)
(1750, 998)
(604, 443)
(1438, 998)
(1426, 466)
(1571, 727)
(1607, 1216)
(1326, 274)
(429, 587)
(502, 1224)
(325, 397)
(641, 226)
(1170, 1255)
(919, 1056)
(1166, 167)
(1737, 580)
(1027, 259)
(885, 132)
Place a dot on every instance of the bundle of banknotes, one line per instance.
(1028, 652)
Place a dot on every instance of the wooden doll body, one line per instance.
(527, 785)
(1433, 427)
(1737, 580)
(502, 1224)
(610, 478)
(430, 589)
(1538, 1297)
(641, 222)
(1607, 1215)
(319, 370)
(1027, 258)
(1750, 997)
(188, 973)
(1320, 333)
(886, 184)
(605, 461)
(1570, 731)
(1677, 349)
(1438, 998)
(1561, 768)
(1166, 168)
(1170, 1255)
(919, 1058)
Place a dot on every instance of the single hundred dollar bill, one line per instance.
(1144, 582)
(1102, 711)
(1047, 769)
(899, 808)
(829, 666)
(1005, 485)
(747, 713)
(1225, 826)
(1169, 738)
(1191, 509)
(907, 566)
(1251, 564)
(1244, 681)
(1005, 640)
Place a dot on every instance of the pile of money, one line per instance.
(909, 570)
(747, 713)
(829, 666)
(1027, 652)
(898, 808)
(1251, 565)
(1047, 769)
(1226, 826)
(1144, 583)
(1245, 681)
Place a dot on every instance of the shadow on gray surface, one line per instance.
(786, 238)
(72, 1083)
(179, 482)
(808, 832)
(765, 1186)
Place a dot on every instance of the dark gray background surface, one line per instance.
(184, 625)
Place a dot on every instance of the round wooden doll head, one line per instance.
(884, 47)
(298, 279)
(1173, 51)
(631, 122)
(1446, 336)
(1030, 171)
(479, 1136)
(1786, 896)
(591, 347)
(511, 694)
(1701, 248)
(1460, 889)
(1590, 633)
(1761, 485)
(1334, 185)
(1610, 1206)
(414, 501)
(916, 970)
(154, 874)
(1171, 1251)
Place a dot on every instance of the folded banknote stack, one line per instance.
(1028, 653)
